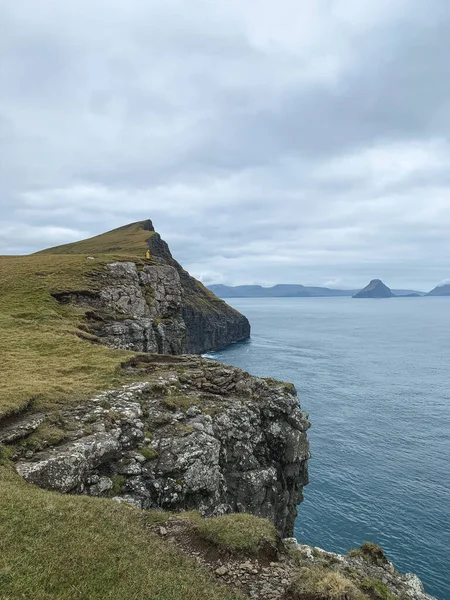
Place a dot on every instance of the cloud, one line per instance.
(302, 142)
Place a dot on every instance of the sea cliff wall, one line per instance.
(195, 435)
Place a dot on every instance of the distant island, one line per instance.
(375, 289)
(440, 290)
(291, 291)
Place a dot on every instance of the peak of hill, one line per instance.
(375, 289)
(131, 240)
(440, 290)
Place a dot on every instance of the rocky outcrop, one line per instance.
(152, 305)
(145, 311)
(375, 289)
(210, 322)
(195, 435)
(149, 305)
(366, 566)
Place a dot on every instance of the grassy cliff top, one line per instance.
(43, 358)
(130, 240)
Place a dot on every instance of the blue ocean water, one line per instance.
(374, 376)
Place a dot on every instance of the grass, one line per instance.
(148, 453)
(236, 532)
(57, 547)
(130, 240)
(377, 589)
(45, 435)
(370, 552)
(43, 360)
(319, 583)
(118, 483)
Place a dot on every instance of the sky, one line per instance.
(270, 141)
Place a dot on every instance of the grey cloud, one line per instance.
(265, 147)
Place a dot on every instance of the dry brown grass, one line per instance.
(320, 583)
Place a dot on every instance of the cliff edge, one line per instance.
(151, 303)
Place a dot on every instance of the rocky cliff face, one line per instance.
(210, 322)
(195, 435)
(146, 310)
(152, 305)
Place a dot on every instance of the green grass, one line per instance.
(377, 589)
(43, 359)
(236, 532)
(130, 240)
(148, 453)
(370, 552)
(57, 547)
(319, 583)
(45, 435)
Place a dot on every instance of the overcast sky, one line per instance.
(270, 141)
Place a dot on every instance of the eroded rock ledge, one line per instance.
(195, 435)
(156, 308)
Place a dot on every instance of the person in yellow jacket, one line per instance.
(147, 254)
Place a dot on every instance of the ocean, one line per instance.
(374, 376)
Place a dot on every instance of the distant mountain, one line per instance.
(375, 289)
(277, 291)
(289, 291)
(440, 290)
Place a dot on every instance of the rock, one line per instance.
(66, 468)
(126, 499)
(249, 454)
(375, 289)
(162, 531)
(104, 484)
(158, 308)
(221, 571)
(290, 543)
(20, 429)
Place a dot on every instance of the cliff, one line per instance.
(154, 305)
(440, 290)
(195, 439)
(113, 435)
(375, 289)
(195, 435)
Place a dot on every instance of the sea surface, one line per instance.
(374, 376)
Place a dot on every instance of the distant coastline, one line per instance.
(293, 291)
